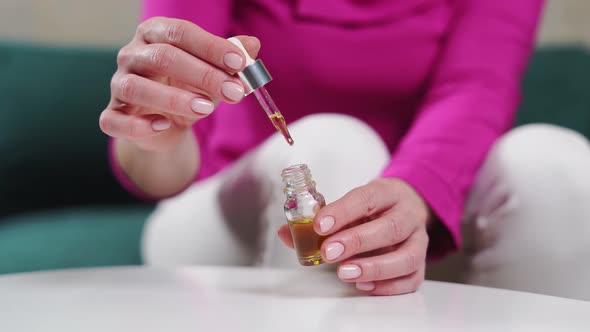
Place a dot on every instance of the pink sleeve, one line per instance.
(471, 101)
(213, 16)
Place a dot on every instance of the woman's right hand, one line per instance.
(172, 74)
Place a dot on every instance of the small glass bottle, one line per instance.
(302, 204)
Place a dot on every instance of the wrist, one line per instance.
(163, 146)
(160, 172)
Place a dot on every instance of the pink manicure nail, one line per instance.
(326, 223)
(232, 91)
(349, 271)
(233, 61)
(202, 106)
(334, 250)
(160, 124)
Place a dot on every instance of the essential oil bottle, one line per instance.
(302, 204)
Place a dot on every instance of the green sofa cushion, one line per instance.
(555, 89)
(52, 152)
(77, 237)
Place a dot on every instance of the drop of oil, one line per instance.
(278, 121)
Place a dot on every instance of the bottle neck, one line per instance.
(297, 180)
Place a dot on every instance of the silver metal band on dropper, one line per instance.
(254, 76)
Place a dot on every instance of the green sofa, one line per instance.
(60, 206)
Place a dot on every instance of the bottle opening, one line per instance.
(297, 176)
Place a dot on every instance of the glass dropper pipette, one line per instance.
(273, 113)
(254, 77)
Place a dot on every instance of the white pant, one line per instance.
(526, 225)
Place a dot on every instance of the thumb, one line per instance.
(251, 44)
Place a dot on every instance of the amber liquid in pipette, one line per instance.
(278, 121)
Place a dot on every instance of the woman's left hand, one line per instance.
(378, 234)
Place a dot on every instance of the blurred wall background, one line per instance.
(112, 22)
(80, 22)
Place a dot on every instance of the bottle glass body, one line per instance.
(302, 204)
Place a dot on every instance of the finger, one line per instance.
(408, 258)
(251, 44)
(284, 234)
(122, 125)
(140, 91)
(402, 285)
(387, 230)
(169, 61)
(198, 42)
(359, 203)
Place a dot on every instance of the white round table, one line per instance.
(246, 299)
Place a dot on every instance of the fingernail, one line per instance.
(349, 271)
(365, 286)
(334, 250)
(326, 223)
(160, 124)
(202, 106)
(233, 61)
(232, 91)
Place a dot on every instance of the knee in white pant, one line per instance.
(544, 171)
(543, 150)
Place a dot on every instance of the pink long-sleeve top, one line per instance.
(438, 80)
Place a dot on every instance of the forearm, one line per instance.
(159, 174)
(471, 101)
